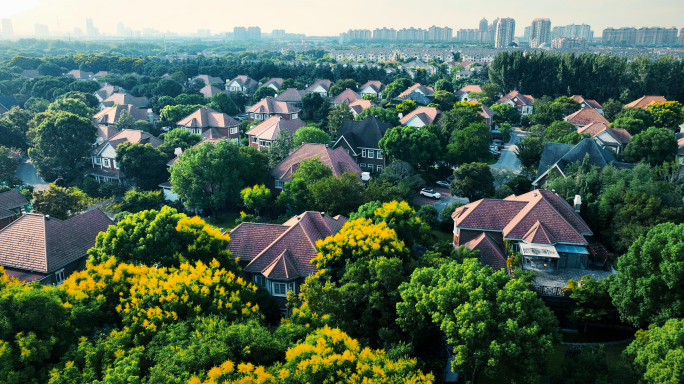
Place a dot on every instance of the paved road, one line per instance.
(508, 159)
(442, 202)
(27, 173)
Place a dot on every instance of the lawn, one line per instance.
(227, 221)
(443, 236)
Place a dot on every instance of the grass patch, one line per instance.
(227, 221)
(443, 236)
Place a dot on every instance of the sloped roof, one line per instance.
(491, 253)
(107, 91)
(244, 81)
(537, 215)
(363, 134)
(126, 98)
(271, 127)
(277, 81)
(135, 136)
(594, 129)
(645, 101)
(338, 161)
(36, 243)
(206, 117)
(210, 90)
(292, 95)
(212, 133)
(427, 91)
(111, 115)
(586, 116)
(517, 97)
(359, 105)
(591, 103)
(270, 105)
(680, 147)
(471, 88)
(78, 74)
(347, 96)
(106, 132)
(325, 83)
(560, 155)
(208, 79)
(428, 115)
(11, 200)
(283, 252)
(376, 85)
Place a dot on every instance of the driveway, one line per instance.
(28, 174)
(445, 200)
(508, 160)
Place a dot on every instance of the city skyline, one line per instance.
(308, 16)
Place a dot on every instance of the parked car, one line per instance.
(443, 183)
(430, 193)
(450, 179)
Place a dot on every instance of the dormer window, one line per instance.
(105, 162)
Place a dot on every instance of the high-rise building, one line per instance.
(253, 33)
(540, 32)
(42, 30)
(240, 33)
(91, 31)
(656, 36)
(505, 33)
(278, 34)
(7, 31)
(526, 35)
(568, 43)
(440, 34)
(412, 34)
(484, 25)
(582, 31)
(359, 34)
(680, 41)
(386, 34)
(123, 31)
(619, 36)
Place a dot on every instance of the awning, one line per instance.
(538, 250)
(565, 248)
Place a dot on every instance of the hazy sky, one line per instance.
(330, 17)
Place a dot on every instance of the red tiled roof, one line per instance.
(210, 90)
(278, 81)
(539, 235)
(645, 101)
(126, 98)
(271, 127)
(359, 105)
(586, 116)
(134, 136)
(206, 117)
(35, 243)
(208, 79)
(427, 114)
(270, 105)
(347, 96)
(377, 85)
(517, 97)
(325, 83)
(291, 95)
(591, 103)
(111, 115)
(680, 147)
(427, 91)
(471, 88)
(338, 161)
(283, 251)
(491, 253)
(594, 129)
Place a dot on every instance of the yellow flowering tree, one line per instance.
(399, 216)
(163, 238)
(256, 197)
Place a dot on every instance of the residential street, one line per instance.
(27, 173)
(508, 159)
(446, 199)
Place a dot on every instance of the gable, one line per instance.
(108, 151)
(319, 89)
(415, 122)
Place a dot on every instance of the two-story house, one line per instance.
(292, 96)
(586, 116)
(320, 86)
(421, 117)
(41, 248)
(269, 106)
(107, 90)
(418, 93)
(359, 106)
(278, 257)
(261, 136)
(12, 205)
(121, 98)
(523, 103)
(211, 123)
(372, 87)
(465, 93)
(274, 83)
(347, 96)
(111, 115)
(586, 103)
(337, 160)
(242, 83)
(547, 232)
(103, 156)
(613, 138)
(360, 139)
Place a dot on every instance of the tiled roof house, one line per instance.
(586, 103)
(262, 135)
(586, 116)
(39, 248)
(613, 138)
(12, 204)
(421, 116)
(372, 87)
(292, 96)
(320, 86)
(278, 257)
(275, 83)
(103, 157)
(110, 115)
(645, 101)
(269, 106)
(347, 96)
(418, 93)
(360, 140)
(125, 98)
(337, 160)
(523, 103)
(208, 119)
(243, 84)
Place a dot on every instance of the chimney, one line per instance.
(578, 203)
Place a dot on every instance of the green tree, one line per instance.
(400, 217)
(164, 238)
(178, 138)
(559, 132)
(644, 291)
(60, 203)
(505, 113)
(657, 354)
(384, 115)
(337, 114)
(208, 175)
(611, 109)
(592, 299)
(462, 115)
(416, 146)
(474, 181)
(444, 85)
(445, 221)
(668, 114)
(75, 106)
(60, 142)
(428, 215)
(633, 126)
(445, 100)
(135, 201)
(50, 69)
(547, 111)
(125, 121)
(529, 151)
(280, 148)
(171, 114)
(142, 165)
(309, 135)
(654, 146)
(256, 197)
(470, 144)
(311, 104)
(263, 92)
(642, 114)
(396, 87)
(337, 196)
(223, 103)
(406, 107)
(9, 162)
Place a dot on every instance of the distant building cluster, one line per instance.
(246, 34)
(540, 32)
(505, 33)
(568, 43)
(581, 31)
(483, 34)
(433, 33)
(642, 36)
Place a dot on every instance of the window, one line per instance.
(363, 153)
(279, 289)
(105, 162)
(379, 168)
(362, 165)
(260, 280)
(59, 276)
(254, 139)
(115, 165)
(97, 160)
(370, 153)
(294, 116)
(234, 130)
(379, 154)
(279, 184)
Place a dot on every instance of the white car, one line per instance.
(430, 193)
(442, 183)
